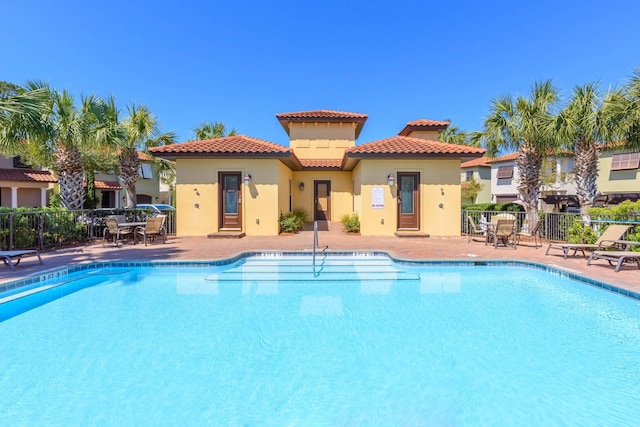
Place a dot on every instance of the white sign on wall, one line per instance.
(377, 198)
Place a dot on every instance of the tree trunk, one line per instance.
(129, 167)
(529, 162)
(586, 175)
(71, 177)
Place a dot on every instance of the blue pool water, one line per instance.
(360, 341)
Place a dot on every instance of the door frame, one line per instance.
(221, 201)
(315, 200)
(415, 224)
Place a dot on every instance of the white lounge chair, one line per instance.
(12, 258)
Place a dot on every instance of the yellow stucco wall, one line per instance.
(341, 192)
(623, 181)
(198, 200)
(321, 140)
(439, 184)
(425, 134)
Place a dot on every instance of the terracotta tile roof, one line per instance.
(481, 161)
(423, 124)
(335, 164)
(145, 157)
(237, 145)
(107, 185)
(506, 158)
(322, 116)
(26, 175)
(404, 146)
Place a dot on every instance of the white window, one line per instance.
(625, 161)
(469, 175)
(145, 171)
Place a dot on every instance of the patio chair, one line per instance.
(605, 241)
(504, 231)
(12, 258)
(114, 231)
(475, 231)
(531, 233)
(154, 228)
(617, 257)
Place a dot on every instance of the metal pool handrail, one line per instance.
(315, 242)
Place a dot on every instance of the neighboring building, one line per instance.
(22, 185)
(618, 176)
(558, 191)
(478, 171)
(408, 183)
(149, 188)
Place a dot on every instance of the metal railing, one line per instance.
(555, 226)
(50, 228)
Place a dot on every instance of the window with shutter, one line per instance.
(625, 161)
(505, 172)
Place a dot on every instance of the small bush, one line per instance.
(351, 222)
(292, 221)
(580, 233)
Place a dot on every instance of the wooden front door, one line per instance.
(230, 200)
(322, 200)
(408, 201)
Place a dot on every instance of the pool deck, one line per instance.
(418, 248)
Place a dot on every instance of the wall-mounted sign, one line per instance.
(377, 198)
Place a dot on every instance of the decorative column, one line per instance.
(14, 197)
(43, 197)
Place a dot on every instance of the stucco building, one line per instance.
(408, 183)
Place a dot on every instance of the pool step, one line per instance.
(324, 275)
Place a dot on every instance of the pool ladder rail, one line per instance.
(315, 244)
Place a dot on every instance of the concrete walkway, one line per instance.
(435, 248)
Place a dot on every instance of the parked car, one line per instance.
(156, 208)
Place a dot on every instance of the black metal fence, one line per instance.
(51, 228)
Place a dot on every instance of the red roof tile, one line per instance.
(481, 161)
(506, 158)
(107, 185)
(322, 116)
(399, 146)
(237, 145)
(423, 124)
(145, 157)
(26, 175)
(321, 163)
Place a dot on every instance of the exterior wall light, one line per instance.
(391, 180)
(301, 186)
(247, 179)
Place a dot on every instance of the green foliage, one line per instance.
(29, 225)
(495, 207)
(293, 221)
(351, 222)
(580, 233)
(624, 211)
(469, 190)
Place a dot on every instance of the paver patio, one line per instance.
(201, 248)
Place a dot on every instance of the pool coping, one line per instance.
(554, 270)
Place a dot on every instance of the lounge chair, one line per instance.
(504, 230)
(605, 241)
(114, 231)
(12, 258)
(154, 228)
(475, 231)
(617, 257)
(531, 233)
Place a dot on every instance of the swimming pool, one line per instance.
(359, 341)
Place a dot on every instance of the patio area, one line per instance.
(434, 248)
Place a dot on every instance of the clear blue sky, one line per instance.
(241, 62)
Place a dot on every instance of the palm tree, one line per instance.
(527, 126)
(622, 110)
(210, 130)
(142, 132)
(580, 126)
(454, 135)
(20, 111)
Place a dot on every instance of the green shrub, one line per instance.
(351, 222)
(292, 221)
(580, 233)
